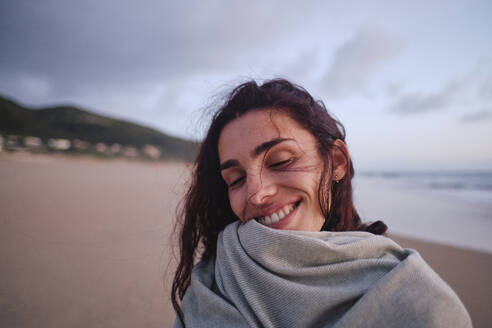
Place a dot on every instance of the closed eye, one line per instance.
(281, 163)
(236, 182)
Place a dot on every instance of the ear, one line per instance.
(341, 158)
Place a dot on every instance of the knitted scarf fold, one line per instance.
(262, 277)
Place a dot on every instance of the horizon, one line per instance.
(414, 166)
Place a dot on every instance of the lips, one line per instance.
(279, 215)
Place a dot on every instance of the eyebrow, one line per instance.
(227, 164)
(255, 152)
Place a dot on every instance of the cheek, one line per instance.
(309, 184)
(306, 181)
(236, 202)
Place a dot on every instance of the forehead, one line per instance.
(242, 135)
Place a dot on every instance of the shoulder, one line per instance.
(410, 295)
(204, 305)
(203, 273)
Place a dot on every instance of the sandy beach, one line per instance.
(88, 243)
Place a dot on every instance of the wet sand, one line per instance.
(86, 243)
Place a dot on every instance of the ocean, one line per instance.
(450, 207)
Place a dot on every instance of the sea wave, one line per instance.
(464, 184)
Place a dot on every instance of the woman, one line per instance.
(270, 213)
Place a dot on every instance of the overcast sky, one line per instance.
(410, 80)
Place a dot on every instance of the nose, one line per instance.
(261, 188)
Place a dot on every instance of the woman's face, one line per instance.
(272, 167)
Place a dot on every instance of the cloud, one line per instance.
(475, 88)
(110, 42)
(476, 117)
(37, 86)
(116, 55)
(423, 102)
(483, 73)
(356, 61)
(394, 90)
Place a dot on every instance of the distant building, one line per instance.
(115, 148)
(12, 141)
(101, 147)
(59, 144)
(80, 144)
(151, 151)
(32, 142)
(130, 151)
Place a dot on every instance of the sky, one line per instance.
(410, 81)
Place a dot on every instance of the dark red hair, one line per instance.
(206, 209)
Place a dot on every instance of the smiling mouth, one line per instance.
(279, 215)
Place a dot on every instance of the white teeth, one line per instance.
(275, 217)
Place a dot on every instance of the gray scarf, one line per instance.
(262, 277)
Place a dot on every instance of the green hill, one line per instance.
(72, 123)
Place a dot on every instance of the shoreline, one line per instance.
(423, 241)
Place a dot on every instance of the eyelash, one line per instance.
(274, 165)
(281, 163)
(235, 182)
